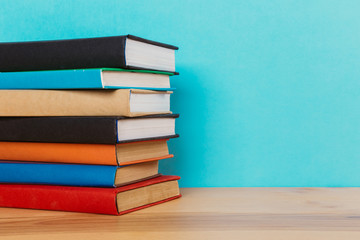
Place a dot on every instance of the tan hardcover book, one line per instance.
(121, 102)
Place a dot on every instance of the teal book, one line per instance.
(101, 78)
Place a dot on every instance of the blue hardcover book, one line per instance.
(76, 174)
(107, 78)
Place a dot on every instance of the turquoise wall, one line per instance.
(269, 91)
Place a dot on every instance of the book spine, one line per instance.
(98, 154)
(64, 103)
(64, 79)
(57, 174)
(61, 198)
(59, 129)
(63, 54)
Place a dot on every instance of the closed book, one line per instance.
(121, 102)
(111, 52)
(114, 201)
(104, 78)
(75, 174)
(100, 130)
(79, 153)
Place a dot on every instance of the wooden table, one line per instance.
(206, 213)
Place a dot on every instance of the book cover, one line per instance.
(101, 52)
(72, 174)
(98, 130)
(78, 79)
(76, 199)
(78, 153)
(120, 102)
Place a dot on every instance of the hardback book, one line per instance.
(121, 102)
(103, 78)
(98, 130)
(80, 153)
(114, 201)
(76, 174)
(126, 51)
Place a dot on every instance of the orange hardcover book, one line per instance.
(99, 154)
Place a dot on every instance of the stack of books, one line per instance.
(84, 122)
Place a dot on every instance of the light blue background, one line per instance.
(269, 91)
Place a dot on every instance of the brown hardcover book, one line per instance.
(121, 102)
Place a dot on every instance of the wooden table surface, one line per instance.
(206, 213)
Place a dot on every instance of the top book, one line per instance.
(128, 52)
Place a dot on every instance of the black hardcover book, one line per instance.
(100, 130)
(126, 51)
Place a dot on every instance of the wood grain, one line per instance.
(206, 213)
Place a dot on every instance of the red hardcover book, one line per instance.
(114, 201)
